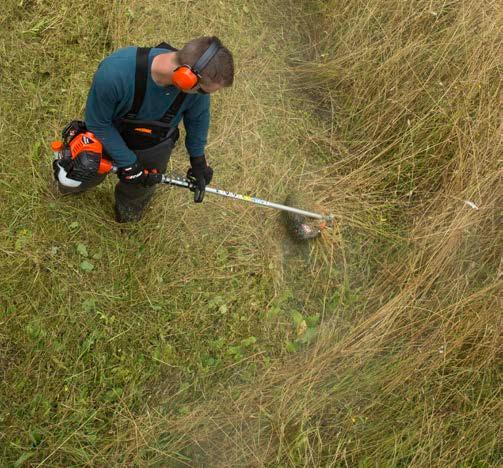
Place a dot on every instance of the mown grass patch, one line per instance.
(100, 323)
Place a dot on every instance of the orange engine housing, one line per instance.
(88, 143)
(85, 142)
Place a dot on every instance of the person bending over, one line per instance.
(136, 101)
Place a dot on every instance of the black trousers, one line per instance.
(132, 199)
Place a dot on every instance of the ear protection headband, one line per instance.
(186, 77)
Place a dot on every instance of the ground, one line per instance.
(204, 336)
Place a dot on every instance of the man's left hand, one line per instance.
(200, 175)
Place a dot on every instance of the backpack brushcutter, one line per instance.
(80, 157)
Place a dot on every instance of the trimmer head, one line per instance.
(302, 227)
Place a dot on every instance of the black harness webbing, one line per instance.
(140, 81)
(140, 86)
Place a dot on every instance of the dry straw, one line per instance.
(409, 100)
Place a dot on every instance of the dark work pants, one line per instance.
(132, 199)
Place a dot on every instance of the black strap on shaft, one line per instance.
(140, 86)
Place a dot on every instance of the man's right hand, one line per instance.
(136, 174)
(131, 174)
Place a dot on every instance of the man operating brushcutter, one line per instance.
(136, 101)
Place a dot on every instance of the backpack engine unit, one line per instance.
(79, 157)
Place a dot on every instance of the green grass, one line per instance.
(102, 322)
(204, 337)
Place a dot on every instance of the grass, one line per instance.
(178, 343)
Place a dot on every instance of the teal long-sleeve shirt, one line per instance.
(111, 96)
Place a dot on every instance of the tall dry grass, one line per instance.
(408, 97)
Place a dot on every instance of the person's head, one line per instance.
(219, 71)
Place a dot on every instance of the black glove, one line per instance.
(135, 174)
(200, 175)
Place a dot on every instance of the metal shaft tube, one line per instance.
(257, 201)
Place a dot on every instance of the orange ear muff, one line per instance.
(184, 78)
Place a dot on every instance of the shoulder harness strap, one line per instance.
(140, 85)
(177, 103)
(140, 81)
(174, 108)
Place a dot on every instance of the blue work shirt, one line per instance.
(111, 96)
